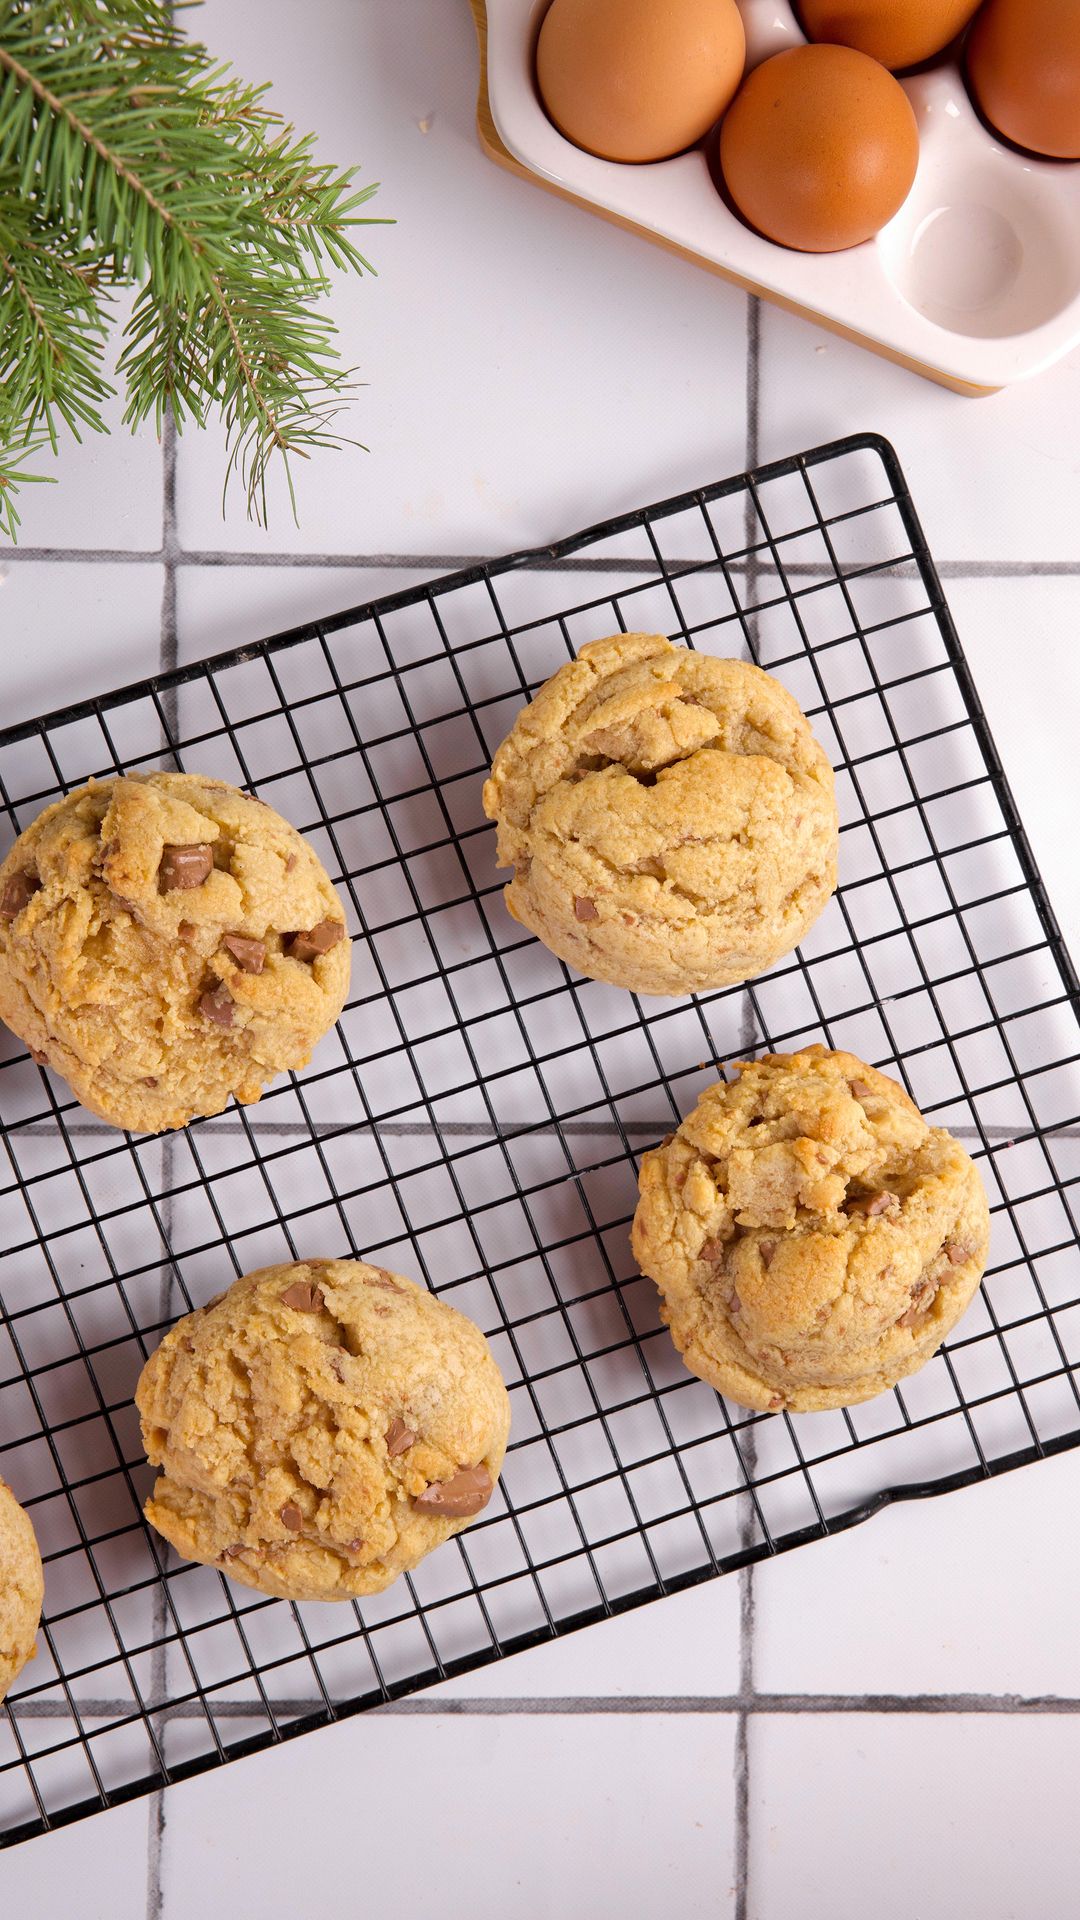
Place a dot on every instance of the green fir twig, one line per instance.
(128, 158)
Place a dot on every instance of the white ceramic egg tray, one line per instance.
(975, 283)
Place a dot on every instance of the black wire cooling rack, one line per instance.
(476, 1118)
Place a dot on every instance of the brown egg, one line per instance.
(819, 148)
(1023, 66)
(899, 33)
(639, 79)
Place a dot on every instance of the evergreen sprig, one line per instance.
(128, 158)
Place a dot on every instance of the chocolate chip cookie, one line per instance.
(165, 942)
(670, 818)
(320, 1428)
(813, 1238)
(22, 1588)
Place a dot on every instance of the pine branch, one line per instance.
(133, 160)
(51, 326)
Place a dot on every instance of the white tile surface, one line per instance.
(222, 607)
(686, 1646)
(994, 478)
(531, 369)
(108, 486)
(1020, 639)
(96, 1869)
(474, 1817)
(908, 1815)
(940, 1597)
(71, 629)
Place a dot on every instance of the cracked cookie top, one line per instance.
(21, 1588)
(813, 1238)
(320, 1428)
(167, 941)
(670, 818)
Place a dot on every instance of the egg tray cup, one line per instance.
(974, 284)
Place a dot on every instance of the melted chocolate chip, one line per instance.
(584, 908)
(399, 1438)
(184, 867)
(465, 1493)
(303, 1297)
(378, 1277)
(291, 1517)
(318, 940)
(217, 1004)
(250, 955)
(871, 1204)
(711, 1250)
(19, 889)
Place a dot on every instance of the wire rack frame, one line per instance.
(477, 1116)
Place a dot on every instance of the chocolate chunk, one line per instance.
(184, 867)
(399, 1438)
(250, 955)
(957, 1252)
(667, 1140)
(469, 1490)
(19, 889)
(148, 1080)
(217, 1004)
(320, 939)
(304, 1297)
(230, 1553)
(290, 862)
(923, 1295)
(186, 930)
(859, 1090)
(291, 1517)
(354, 1546)
(383, 1279)
(40, 1059)
(711, 1250)
(766, 1248)
(584, 908)
(871, 1204)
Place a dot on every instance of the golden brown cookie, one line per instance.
(320, 1428)
(22, 1588)
(166, 941)
(813, 1238)
(670, 818)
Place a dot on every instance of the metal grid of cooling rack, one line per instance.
(476, 1117)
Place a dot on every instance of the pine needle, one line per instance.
(128, 158)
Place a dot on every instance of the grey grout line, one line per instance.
(455, 562)
(156, 1816)
(772, 1705)
(747, 1447)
